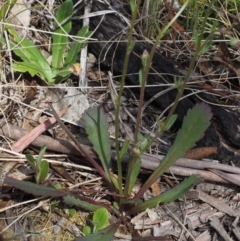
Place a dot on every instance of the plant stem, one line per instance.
(144, 81)
(118, 100)
(148, 66)
(154, 177)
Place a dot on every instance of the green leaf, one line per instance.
(70, 200)
(30, 158)
(64, 12)
(114, 179)
(70, 211)
(195, 123)
(33, 60)
(100, 218)
(105, 234)
(132, 5)
(171, 121)
(58, 49)
(132, 176)
(58, 186)
(61, 75)
(44, 168)
(143, 142)
(31, 68)
(96, 126)
(87, 230)
(205, 47)
(35, 189)
(124, 149)
(130, 47)
(41, 154)
(168, 196)
(76, 46)
(197, 39)
(60, 41)
(32, 162)
(28, 52)
(5, 6)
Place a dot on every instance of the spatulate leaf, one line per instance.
(96, 126)
(195, 123)
(168, 196)
(35, 189)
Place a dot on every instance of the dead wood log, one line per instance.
(111, 31)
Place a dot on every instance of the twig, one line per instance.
(215, 223)
(183, 166)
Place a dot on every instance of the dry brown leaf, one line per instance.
(200, 153)
(75, 69)
(156, 189)
(178, 27)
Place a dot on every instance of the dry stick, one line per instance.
(85, 153)
(218, 204)
(186, 162)
(226, 176)
(236, 229)
(183, 166)
(215, 223)
(25, 140)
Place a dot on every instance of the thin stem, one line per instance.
(148, 66)
(118, 100)
(154, 176)
(144, 80)
(139, 115)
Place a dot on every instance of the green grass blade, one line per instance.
(76, 46)
(5, 7)
(44, 168)
(32, 162)
(124, 149)
(195, 123)
(168, 196)
(60, 41)
(41, 154)
(96, 126)
(132, 176)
